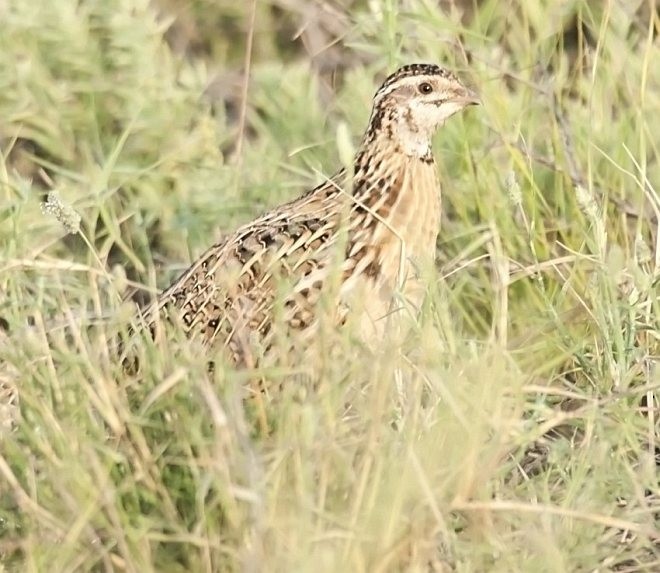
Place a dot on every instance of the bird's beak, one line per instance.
(466, 97)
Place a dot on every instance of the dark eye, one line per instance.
(425, 88)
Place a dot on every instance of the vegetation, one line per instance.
(515, 429)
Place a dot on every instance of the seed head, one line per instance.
(63, 212)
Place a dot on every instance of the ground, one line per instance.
(515, 428)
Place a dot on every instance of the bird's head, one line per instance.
(414, 101)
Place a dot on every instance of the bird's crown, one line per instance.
(411, 70)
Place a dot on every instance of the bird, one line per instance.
(351, 248)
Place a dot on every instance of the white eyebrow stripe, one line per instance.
(409, 81)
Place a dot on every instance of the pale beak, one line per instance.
(466, 97)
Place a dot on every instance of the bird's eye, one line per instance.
(425, 88)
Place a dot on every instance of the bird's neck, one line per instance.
(401, 189)
(396, 131)
(387, 155)
(387, 175)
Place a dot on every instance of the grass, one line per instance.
(516, 427)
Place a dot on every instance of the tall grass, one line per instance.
(516, 426)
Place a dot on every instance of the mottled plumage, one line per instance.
(357, 239)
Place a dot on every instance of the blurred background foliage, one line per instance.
(533, 374)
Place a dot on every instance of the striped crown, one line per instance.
(411, 70)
